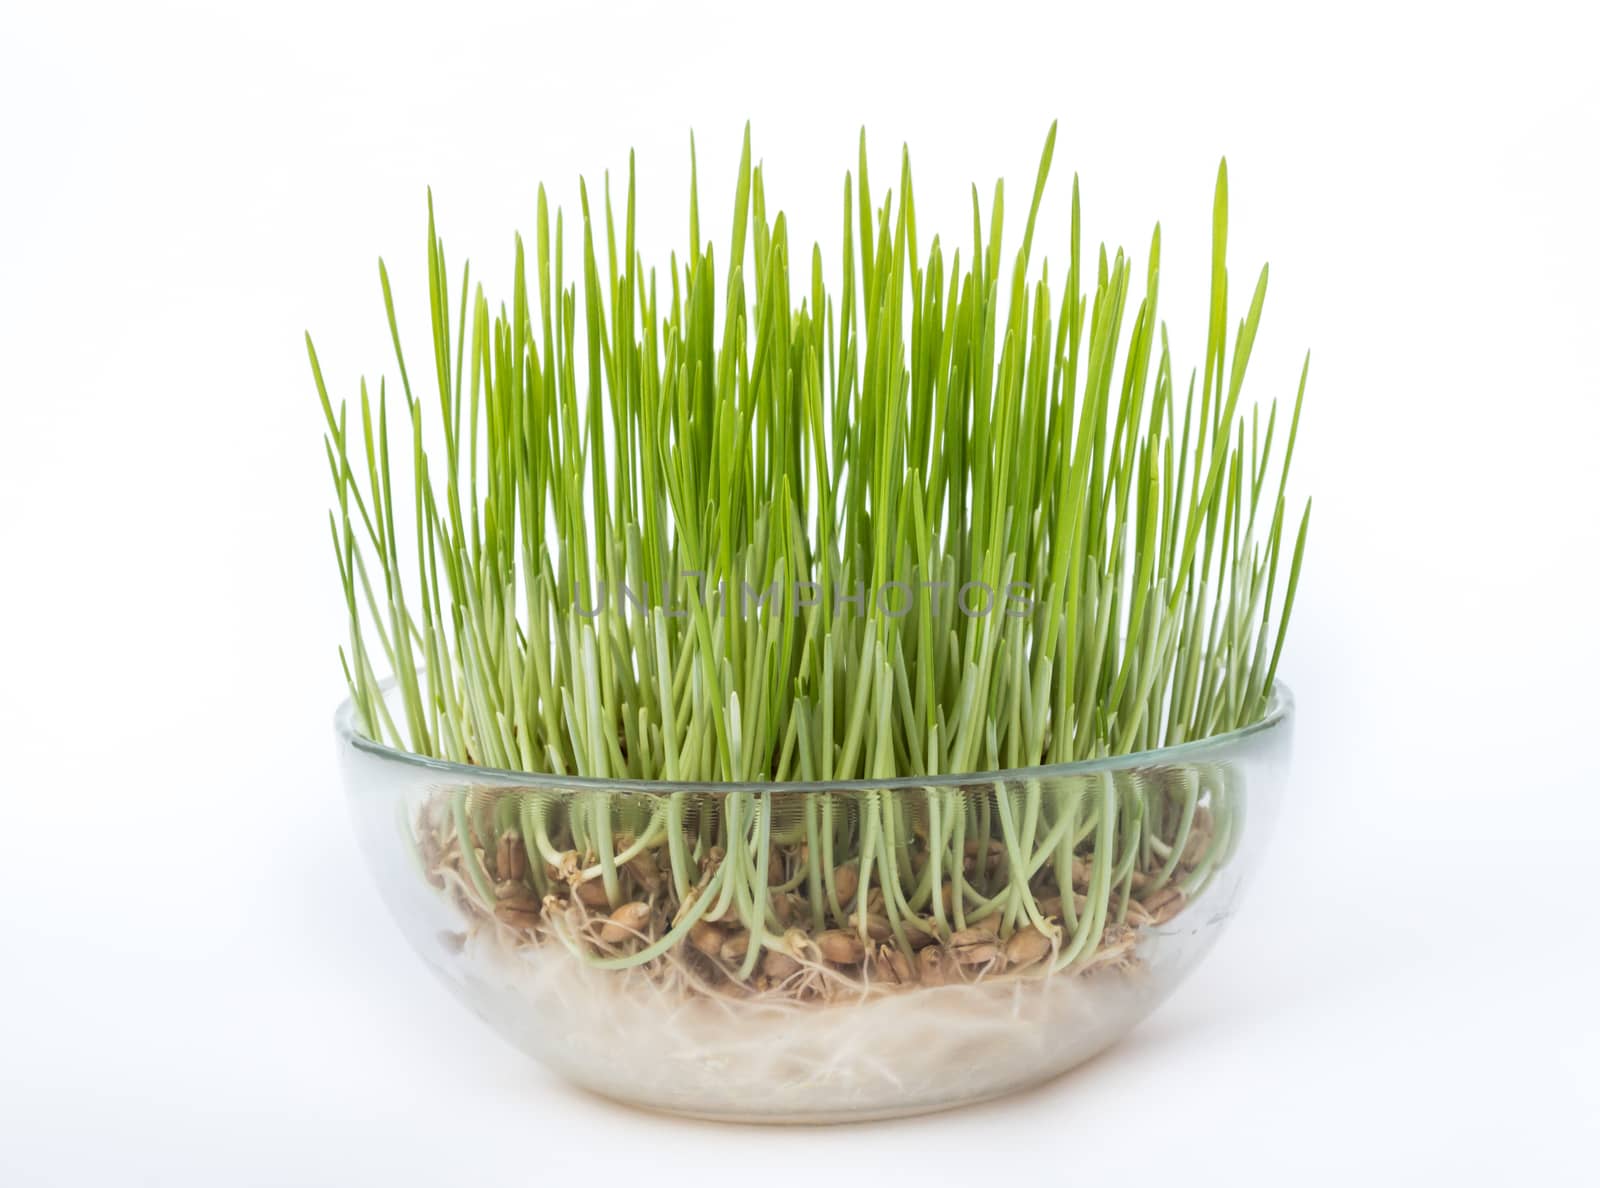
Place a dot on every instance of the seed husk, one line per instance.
(1158, 899)
(516, 919)
(1026, 946)
(933, 966)
(989, 924)
(877, 927)
(840, 947)
(510, 857)
(798, 943)
(918, 931)
(592, 894)
(1199, 840)
(706, 938)
(735, 947)
(1164, 904)
(974, 946)
(520, 911)
(778, 965)
(628, 920)
(844, 882)
(1116, 948)
(890, 965)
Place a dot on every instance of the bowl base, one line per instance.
(846, 1117)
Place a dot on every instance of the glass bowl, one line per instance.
(707, 950)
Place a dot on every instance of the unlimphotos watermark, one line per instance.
(893, 599)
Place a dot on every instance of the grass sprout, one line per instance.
(756, 530)
(724, 523)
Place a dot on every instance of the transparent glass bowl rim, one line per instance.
(1280, 711)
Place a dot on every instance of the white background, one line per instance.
(197, 983)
